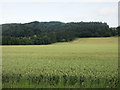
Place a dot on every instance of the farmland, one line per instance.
(83, 63)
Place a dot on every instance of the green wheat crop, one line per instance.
(83, 63)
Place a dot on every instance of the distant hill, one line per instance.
(42, 33)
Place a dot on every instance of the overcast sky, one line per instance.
(23, 11)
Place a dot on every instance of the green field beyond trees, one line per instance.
(82, 63)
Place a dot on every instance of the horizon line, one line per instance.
(56, 21)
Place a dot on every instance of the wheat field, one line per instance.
(82, 63)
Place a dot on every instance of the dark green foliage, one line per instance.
(43, 33)
(56, 79)
(65, 80)
(53, 80)
(118, 30)
(5, 78)
(13, 78)
(82, 80)
(73, 80)
(114, 31)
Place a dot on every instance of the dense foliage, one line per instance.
(42, 33)
(118, 30)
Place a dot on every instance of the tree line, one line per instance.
(43, 33)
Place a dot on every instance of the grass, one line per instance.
(85, 62)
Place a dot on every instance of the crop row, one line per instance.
(82, 81)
